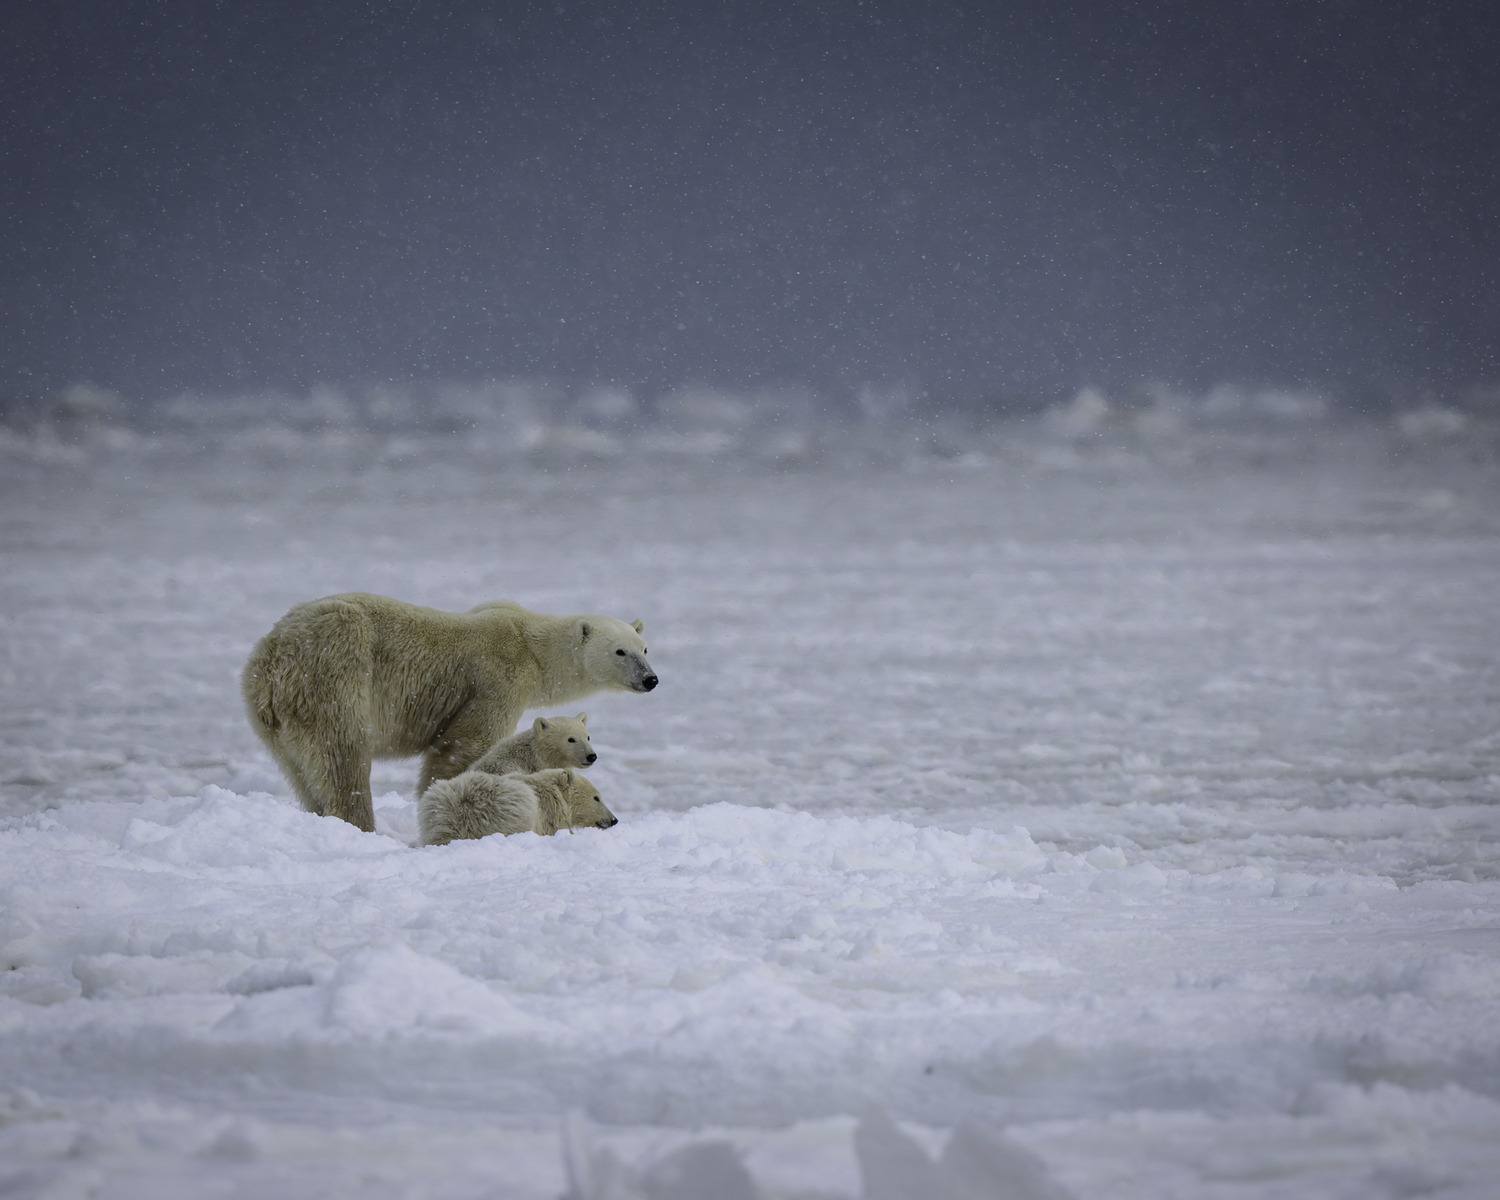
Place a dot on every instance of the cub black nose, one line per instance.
(608, 823)
(649, 682)
(592, 756)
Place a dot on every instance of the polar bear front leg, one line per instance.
(459, 744)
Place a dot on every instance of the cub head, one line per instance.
(562, 741)
(612, 654)
(584, 805)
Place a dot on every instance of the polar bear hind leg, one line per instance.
(313, 711)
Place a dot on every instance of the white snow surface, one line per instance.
(1121, 823)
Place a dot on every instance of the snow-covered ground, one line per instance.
(1131, 811)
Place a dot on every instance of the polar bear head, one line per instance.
(562, 741)
(582, 806)
(612, 654)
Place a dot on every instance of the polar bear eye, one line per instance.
(621, 653)
(572, 740)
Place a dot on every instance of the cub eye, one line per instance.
(621, 653)
(572, 740)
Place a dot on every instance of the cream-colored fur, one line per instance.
(476, 804)
(347, 679)
(547, 742)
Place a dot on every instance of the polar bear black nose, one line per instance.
(592, 756)
(608, 823)
(648, 683)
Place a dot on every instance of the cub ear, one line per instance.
(582, 718)
(538, 725)
(638, 625)
(583, 630)
(568, 775)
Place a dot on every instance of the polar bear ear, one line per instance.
(568, 775)
(538, 725)
(583, 630)
(638, 625)
(582, 718)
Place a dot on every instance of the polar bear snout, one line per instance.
(646, 684)
(592, 757)
(607, 822)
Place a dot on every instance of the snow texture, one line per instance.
(1045, 821)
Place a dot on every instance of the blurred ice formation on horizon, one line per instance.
(553, 422)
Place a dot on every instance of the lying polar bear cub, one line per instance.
(476, 804)
(547, 742)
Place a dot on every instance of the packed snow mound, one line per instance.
(754, 969)
(649, 971)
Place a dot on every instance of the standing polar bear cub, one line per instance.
(548, 742)
(475, 805)
(347, 679)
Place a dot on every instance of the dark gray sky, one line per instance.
(988, 201)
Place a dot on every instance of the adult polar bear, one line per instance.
(347, 679)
